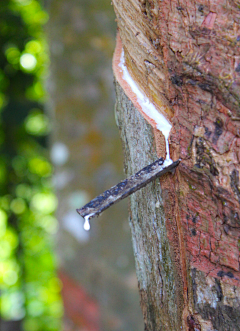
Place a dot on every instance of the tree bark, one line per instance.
(185, 227)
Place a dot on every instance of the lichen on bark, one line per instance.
(159, 284)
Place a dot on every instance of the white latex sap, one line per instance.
(86, 224)
(148, 108)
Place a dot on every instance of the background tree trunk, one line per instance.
(185, 57)
(97, 266)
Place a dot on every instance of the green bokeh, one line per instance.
(29, 287)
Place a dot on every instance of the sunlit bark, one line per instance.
(185, 57)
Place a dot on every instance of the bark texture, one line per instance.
(185, 57)
(159, 285)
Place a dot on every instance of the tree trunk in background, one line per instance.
(97, 267)
(185, 227)
(10, 325)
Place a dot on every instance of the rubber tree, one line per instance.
(184, 56)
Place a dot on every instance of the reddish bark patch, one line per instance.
(209, 20)
(193, 49)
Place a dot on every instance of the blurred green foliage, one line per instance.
(29, 287)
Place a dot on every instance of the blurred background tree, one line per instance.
(97, 267)
(97, 274)
(30, 289)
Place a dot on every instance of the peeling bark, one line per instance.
(185, 57)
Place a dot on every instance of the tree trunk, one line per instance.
(97, 265)
(185, 227)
